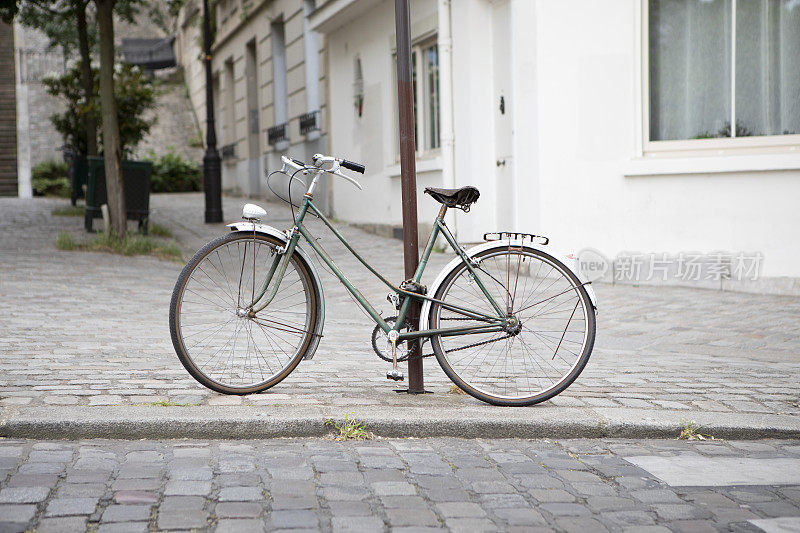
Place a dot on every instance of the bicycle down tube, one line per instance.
(278, 268)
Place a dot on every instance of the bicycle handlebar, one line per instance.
(355, 167)
(319, 160)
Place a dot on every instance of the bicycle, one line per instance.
(509, 323)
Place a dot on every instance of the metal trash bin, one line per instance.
(136, 181)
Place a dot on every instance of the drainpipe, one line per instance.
(447, 135)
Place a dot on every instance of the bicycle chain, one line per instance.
(474, 345)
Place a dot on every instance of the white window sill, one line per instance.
(423, 165)
(664, 166)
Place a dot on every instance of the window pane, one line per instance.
(767, 67)
(432, 96)
(689, 68)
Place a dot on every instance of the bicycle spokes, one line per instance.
(223, 340)
(544, 338)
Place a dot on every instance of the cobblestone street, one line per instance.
(89, 330)
(86, 353)
(405, 485)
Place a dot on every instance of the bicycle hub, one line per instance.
(513, 325)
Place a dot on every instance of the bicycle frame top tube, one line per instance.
(281, 261)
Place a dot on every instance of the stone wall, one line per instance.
(35, 60)
(39, 141)
(176, 126)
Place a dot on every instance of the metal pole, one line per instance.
(212, 178)
(408, 176)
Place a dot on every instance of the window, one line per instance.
(280, 94)
(425, 82)
(230, 102)
(723, 68)
(225, 9)
(311, 59)
(251, 79)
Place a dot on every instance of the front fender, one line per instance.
(426, 306)
(278, 234)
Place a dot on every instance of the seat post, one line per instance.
(442, 211)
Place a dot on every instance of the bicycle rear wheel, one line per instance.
(218, 342)
(533, 361)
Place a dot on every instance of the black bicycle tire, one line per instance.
(174, 315)
(562, 385)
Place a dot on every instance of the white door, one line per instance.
(503, 106)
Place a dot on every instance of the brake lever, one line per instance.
(293, 174)
(348, 178)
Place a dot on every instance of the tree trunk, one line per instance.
(112, 153)
(86, 77)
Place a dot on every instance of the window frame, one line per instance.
(697, 147)
(420, 115)
(424, 120)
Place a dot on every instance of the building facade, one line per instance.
(603, 125)
(269, 87)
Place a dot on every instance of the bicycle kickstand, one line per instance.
(395, 374)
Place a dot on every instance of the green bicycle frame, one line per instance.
(494, 323)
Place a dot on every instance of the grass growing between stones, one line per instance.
(69, 211)
(349, 429)
(130, 245)
(691, 431)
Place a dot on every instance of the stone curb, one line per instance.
(254, 423)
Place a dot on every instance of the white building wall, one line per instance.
(579, 173)
(587, 74)
(474, 106)
(372, 138)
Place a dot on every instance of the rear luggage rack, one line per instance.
(513, 235)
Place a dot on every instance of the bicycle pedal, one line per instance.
(395, 375)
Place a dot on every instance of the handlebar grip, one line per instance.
(298, 162)
(355, 167)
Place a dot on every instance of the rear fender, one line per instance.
(249, 227)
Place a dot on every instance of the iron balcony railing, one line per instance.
(278, 133)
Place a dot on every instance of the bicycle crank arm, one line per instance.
(394, 374)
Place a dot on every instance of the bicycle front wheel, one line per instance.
(544, 350)
(219, 342)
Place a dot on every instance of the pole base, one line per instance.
(212, 184)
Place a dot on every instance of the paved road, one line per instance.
(402, 485)
(89, 331)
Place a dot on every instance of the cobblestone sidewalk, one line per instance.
(88, 331)
(395, 485)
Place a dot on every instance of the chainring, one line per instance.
(379, 337)
(382, 346)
